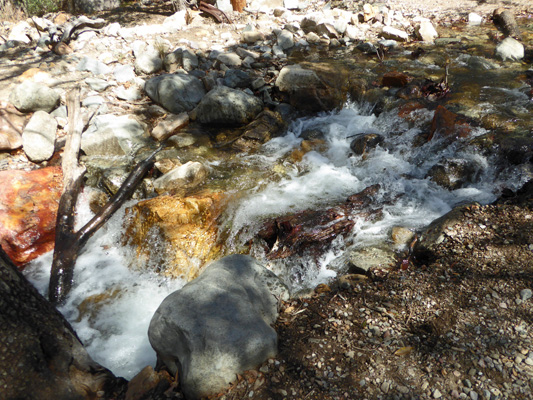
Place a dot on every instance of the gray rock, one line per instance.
(252, 36)
(226, 106)
(133, 93)
(98, 84)
(39, 137)
(218, 325)
(91, 6)
(111, 135)
(93, 101)
(124, 73)
(510, 49)
(235, 78)
(293, 77)
(285, 40)
(186, 176)
(32, 96)
(93, 65)
(525, 294)
(189, 60)
(175, 92)
(173, 60)
(230, 59)
(327, 30)
(309, 24)
(147, 60)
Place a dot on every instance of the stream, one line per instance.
(274, 182)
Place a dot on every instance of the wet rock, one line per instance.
(453, 173)
(226, 106)
(510, 49)
(314, 87)
(181, 178)
(446, 123)
(111, 135)
(170, 125)
(266, 126)
(94, 66)
(218, 326)
(147, 59)
(175, 235)
(506, 22)
(235, 78)
(388, 32)
(39, 137)
(11, 124)
(395, 79)
(426, 31)
(32, 96)
(28, 208)
(42, 358)
(373, 257)
(175, 92)
(365, 142)
(401, 235)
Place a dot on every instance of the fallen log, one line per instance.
(316, 229)
(68, 243)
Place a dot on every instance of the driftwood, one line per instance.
(68, 243)
(315, 229)
(219, 15)
(505, 22)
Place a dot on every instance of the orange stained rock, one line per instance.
(175, 235)
(448, 124)
(28, 210)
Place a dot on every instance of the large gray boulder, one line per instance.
(218, 325)
(32, 96)
(39, 137)
(110, 135)
(41, 356)
(175, 92)
(225, 106)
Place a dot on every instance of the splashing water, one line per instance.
(110, 305)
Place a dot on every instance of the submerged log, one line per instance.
(316, 229)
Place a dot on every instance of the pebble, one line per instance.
(437, 394)
(526, 294)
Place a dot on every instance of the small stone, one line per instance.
(385, 386)
(526, 294)
(437, 394)
(529, 361)
(473, 395)
(425, 385)
(474, 19)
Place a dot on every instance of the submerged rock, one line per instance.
(365, 142)
(175, 235)
(453, 173)
(219, 325)
(181, 178)
(28, 210)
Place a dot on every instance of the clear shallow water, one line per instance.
(111, 305)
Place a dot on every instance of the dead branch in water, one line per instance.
(69, 243)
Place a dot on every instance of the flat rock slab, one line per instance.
(218, 325)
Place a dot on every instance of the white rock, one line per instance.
(176, 21)
(426, 31)
(93, 65)
(474, 19)
(98, 84)
(39, 136)
(147, 59)
(20, 32)
(133, 93)
(230, 59)
(112, 29)
(312, 38)
(124, 73)
(388, 32)
(92, 101)
(510, 49)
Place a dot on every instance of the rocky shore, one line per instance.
(450, 319)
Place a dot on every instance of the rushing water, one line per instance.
(111, 305)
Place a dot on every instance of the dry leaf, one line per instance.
(403, 351)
